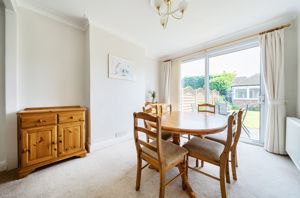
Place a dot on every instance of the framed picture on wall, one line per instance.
(120, 68)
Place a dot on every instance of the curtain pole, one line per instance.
(233, 41)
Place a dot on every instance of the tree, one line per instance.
(221, 82)
(195, 82)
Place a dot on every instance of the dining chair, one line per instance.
(246, 130)
(214, 153)
(221, 138)
(206, 107)
(150, 109)
(165, 108)
(162, 155)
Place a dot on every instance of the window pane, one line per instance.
(234, 82)
(241, 93)
(192, 83)
(254, 93)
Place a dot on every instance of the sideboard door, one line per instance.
(70, 138)
(39, 144)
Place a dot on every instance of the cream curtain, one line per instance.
(272, 51)
(166, 69)
(170, 83)
(175, 85)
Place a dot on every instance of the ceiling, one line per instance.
(136, 21)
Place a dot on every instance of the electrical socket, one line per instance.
(120, 134)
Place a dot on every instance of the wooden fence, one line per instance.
(191, 97)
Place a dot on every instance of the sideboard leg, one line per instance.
(23, 173)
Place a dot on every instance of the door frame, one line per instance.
(251, 43)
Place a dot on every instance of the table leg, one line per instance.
(176, 138)
(186, 185)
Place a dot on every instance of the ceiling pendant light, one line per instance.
(165, 9)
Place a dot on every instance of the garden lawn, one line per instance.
(252, 119)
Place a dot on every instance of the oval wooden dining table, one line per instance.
(192, 123)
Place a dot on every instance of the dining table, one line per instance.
(192, 123)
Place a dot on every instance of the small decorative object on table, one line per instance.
(153, 95)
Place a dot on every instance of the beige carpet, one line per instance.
(110, 173)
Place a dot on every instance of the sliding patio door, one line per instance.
(231, 79)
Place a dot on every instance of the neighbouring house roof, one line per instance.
(246, 81)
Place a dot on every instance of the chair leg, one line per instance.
(227, 173)
(236, 161)
(184, 169)
(222, 180)
(147, 139)
(162, 183)
(202, 163)
(138, 173)
(233, 165)
(187, 167)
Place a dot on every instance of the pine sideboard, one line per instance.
(49, 134)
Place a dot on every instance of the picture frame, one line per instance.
(120, 68)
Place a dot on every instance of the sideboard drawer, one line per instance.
(38, 120)
(71, 117)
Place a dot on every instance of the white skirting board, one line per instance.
(101, 145)
(293, 139)
(3, 166)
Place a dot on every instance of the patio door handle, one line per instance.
(262, 99)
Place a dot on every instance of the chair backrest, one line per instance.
(245, 112)
(238, 130)
(165, 108)
(206, 107)
(154, 134)
(230, 125)
(150, 109)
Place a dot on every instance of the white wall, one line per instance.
(11, 87)
(45, 66)
(49, 63)
(151, 77)
(52, 62)
(298, 32)
(113, 101)
(2, 87)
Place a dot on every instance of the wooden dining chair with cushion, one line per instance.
(214, 153)
(221, 138)
(206, 107)
(162, 155)
(150, 109)
(165, 108)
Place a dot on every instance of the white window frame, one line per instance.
(248, 92)
(234, 94)
(254, 98)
